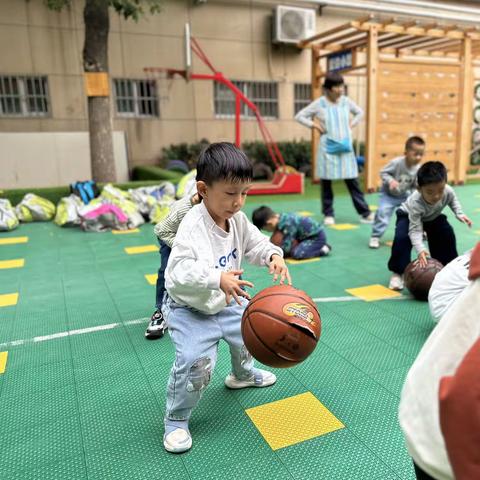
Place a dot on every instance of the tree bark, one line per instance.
(95, 59)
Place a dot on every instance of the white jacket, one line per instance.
(202, 250)
(441, 355)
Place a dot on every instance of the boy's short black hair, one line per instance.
(223, 161)
(333, 79)
(431, 172)
(261, 216)
(414, 141)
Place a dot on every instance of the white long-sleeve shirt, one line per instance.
(202, 251)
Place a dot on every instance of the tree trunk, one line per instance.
(95, 59)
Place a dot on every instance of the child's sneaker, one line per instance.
(374, 242)
(325, 250)
(328, 220)
(396, 282)
(260, 378)
(178, 441)
(368, 219)
(157, 326)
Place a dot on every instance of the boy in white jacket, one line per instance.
(206, 298)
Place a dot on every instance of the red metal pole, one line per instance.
(238, 106)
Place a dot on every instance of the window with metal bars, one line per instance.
(23, 96)
(263, 94)
(302, 96)
(136, 98)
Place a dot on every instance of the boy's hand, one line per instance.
(422, 258)
(465, 219)
(231, 286)
(393, 184)
(278, 267)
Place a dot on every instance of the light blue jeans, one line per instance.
(196, 337)
(386, 206)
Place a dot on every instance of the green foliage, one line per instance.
(128, 8)
(150, 172)
(188, 152)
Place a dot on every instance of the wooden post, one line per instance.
(316, 92)
(465, 116)
(371, 137)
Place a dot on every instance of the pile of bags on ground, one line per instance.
(88, 208)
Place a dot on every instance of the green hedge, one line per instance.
(150, 172)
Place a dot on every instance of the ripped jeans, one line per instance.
(196, 337)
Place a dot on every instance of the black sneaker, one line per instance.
(157, 326)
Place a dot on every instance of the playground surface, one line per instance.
(82, 392)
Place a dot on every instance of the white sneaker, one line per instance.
(396, 282)
(374, 242)
(260, 378)
(329, 220)
(178, 441)
(368, 219)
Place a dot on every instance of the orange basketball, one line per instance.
(419, 279)
(281, 326)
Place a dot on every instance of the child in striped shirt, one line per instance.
(165, 232)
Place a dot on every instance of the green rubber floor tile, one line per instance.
(389, 327)
(113, 340)
(120, 424)
(39, 353)
(265, 467)
(392, 380)
(384, 437)
(108, 392)
(143, 459)
(37, 378)
(38, 445)
(325, 369)
(36, 408)
(337, 455)
(361, 398)
(410, 344)
(412, 310)
(72, 468)
(376, 357)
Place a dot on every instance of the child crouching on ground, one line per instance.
(423, 211)
(205, 299)
(301, 237)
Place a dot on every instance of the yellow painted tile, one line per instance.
(17, 263)
(11, 240)
(305, 213)
(3, 361)
(8, 299)
(371, 293)
(373, 208)
(343, 226)
(389, 243)
(152, 278)
(124, 232)
(141, 249)
(293, 420)
(477, 232)
(305, 260)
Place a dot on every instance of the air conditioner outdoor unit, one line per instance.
(291, 24)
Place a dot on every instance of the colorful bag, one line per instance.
(8, 219)
(67, 211)
(33, 208)
(86, 190)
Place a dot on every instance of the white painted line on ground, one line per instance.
(111, 326)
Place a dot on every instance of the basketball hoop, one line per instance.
(164, 78)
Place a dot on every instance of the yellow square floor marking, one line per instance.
(305, 213)
(124, 232)
(343, 226)
(17, 263)
(293, 261)
(389, 243)
(141, 249)
(3, 361)
(11, 240)
(371, 293)
(152, 278)
(373, 208)
(8, 299)
(477, 232)
(293, 420)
